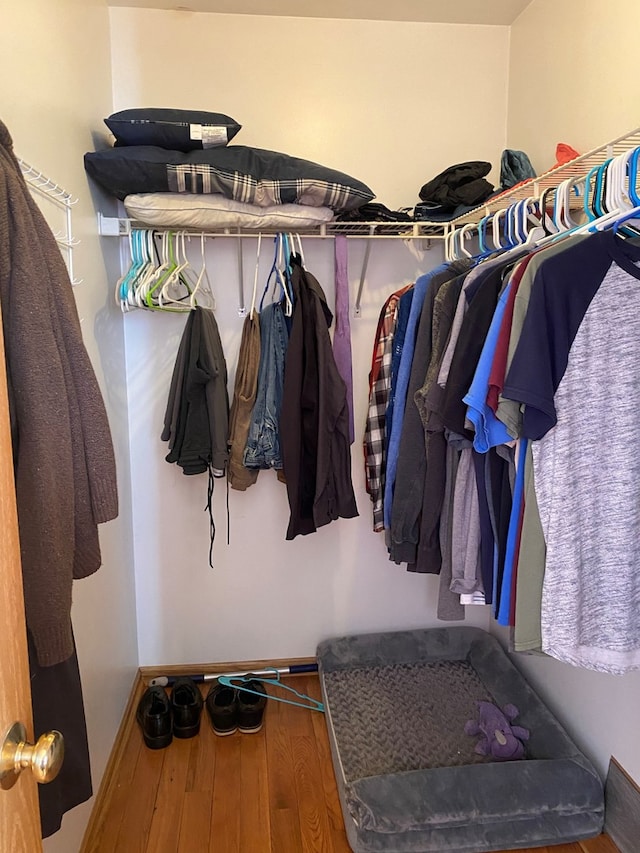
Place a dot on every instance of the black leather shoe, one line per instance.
(154, 718)
(222, 707)
(251, 707)
(186, 705)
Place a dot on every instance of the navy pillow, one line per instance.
(250, 175)
(177, 130)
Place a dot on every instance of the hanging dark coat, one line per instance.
(64, 465)
(63, 454)
(314, 421)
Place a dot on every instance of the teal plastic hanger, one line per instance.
(589, 191)
(310, 704)
(599, 192)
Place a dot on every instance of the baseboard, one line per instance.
(622, 809)
(149, 672)
(110, 776)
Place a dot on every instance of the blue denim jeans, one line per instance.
(263, 443)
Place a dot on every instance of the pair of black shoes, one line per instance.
(161, 717)
(231, 710)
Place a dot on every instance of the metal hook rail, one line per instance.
(43, 186)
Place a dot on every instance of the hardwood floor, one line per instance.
(270, 792)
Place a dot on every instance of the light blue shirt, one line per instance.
(489, 431)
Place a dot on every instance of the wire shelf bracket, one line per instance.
(46, 188)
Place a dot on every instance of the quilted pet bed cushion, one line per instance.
(408, 778)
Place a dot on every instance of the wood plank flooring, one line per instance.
(270, 792)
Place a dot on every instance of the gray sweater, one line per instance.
(63, 455)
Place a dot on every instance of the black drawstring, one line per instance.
(228, 517)
(209, 508)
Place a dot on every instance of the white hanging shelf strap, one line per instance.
(46, 188)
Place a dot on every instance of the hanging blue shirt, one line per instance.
(489, 431)
(400, 396)
(504, 608)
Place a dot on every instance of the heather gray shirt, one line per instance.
(577, 370)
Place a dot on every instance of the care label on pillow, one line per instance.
(211, 135)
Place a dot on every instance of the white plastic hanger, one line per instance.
(465, 234)
(179, 283)
(156, 274)
(495, 229)
(203, 282)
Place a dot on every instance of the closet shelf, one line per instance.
(121, 226)
(577, 168)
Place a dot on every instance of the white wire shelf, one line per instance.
(418, 230)
(577, 168)
(413, 230)
(424, 231)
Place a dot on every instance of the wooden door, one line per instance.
(19, 812)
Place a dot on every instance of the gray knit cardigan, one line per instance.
(63, 454)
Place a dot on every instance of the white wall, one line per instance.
(391, 103)
(55, 64)
(357, 96)
(572, 76)
(572, 79)
(265, 598)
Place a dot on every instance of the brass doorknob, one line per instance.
(44, 757)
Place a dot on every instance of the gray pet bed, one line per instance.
(408, 777)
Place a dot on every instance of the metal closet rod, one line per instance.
(122, 227)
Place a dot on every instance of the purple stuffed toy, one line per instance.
(501, 740)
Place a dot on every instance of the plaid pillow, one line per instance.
(250, 175)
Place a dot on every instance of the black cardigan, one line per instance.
(314, 420)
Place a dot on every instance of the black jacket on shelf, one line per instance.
(462, 184)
